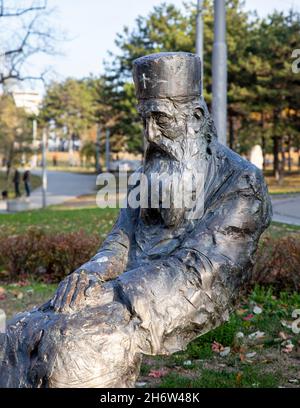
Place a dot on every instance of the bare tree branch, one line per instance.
(21, 12)
(33, 35)
(19, 49)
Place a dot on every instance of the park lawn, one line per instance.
(290, 184)
(91, 220)
(36, 181)
(24, 295)
(269, 358)
(278, 230)
(56, 220)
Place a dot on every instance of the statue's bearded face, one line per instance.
(170, 123)
(176, 135)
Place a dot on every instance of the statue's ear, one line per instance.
(198, 117)
(198, 113)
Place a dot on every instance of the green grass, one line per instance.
(19, 298)
(269, 368)
(248, 378)
(60, 219)
(277, 230)
(91, 220)
(35, 180)
(290, 184)
(275, 309)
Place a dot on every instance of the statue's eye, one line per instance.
(162, 119)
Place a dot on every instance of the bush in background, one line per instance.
(49, 257)
(278, 263)
(43, 256)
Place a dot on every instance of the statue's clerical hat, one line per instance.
(167, 74)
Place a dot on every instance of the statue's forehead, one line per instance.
(155, 105)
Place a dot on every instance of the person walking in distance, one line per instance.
(26, 179)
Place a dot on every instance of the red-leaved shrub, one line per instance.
(44, 256)
(278, 263)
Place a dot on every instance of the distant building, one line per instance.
(29, 100)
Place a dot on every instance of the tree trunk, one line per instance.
(289, 153)
(263, 140)
(71, 150)
(282, 164)
(9, 162)
(276, 157)
(276, 145)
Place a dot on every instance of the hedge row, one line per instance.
(43, 256)
(50, 257)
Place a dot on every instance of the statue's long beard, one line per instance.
(161, 194)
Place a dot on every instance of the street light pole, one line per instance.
(107, 149)
(98, 167)
(199, 37)
(44, 169)
(219, 71)
(34, 134)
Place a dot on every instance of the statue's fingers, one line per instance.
(94, 283)
(79, 291)
(56, 300)
(94, 289)
(69, 291)
(61, 301)
(90, 289)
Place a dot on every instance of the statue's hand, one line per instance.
(76, 287)
(85, 282)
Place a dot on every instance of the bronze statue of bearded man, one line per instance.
(166, 273)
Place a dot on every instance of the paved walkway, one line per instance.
(286, 208)
(62, 186)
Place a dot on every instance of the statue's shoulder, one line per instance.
(231, 161)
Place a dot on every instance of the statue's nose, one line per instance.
(151, 130)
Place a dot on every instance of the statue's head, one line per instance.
(177, 130)
(168, 88)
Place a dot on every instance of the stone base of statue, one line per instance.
(17, 205)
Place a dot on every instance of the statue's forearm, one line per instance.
(112, 257)
(110, 261)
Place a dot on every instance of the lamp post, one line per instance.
(34, 134)
(44, 169)
(199, 37)
(107, 149)
(219, 71)
(98, 165)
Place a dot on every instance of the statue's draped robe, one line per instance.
(189, 289)
(169, 286)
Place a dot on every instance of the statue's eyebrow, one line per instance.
(153, 109)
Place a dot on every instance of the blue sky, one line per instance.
(93, 24)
